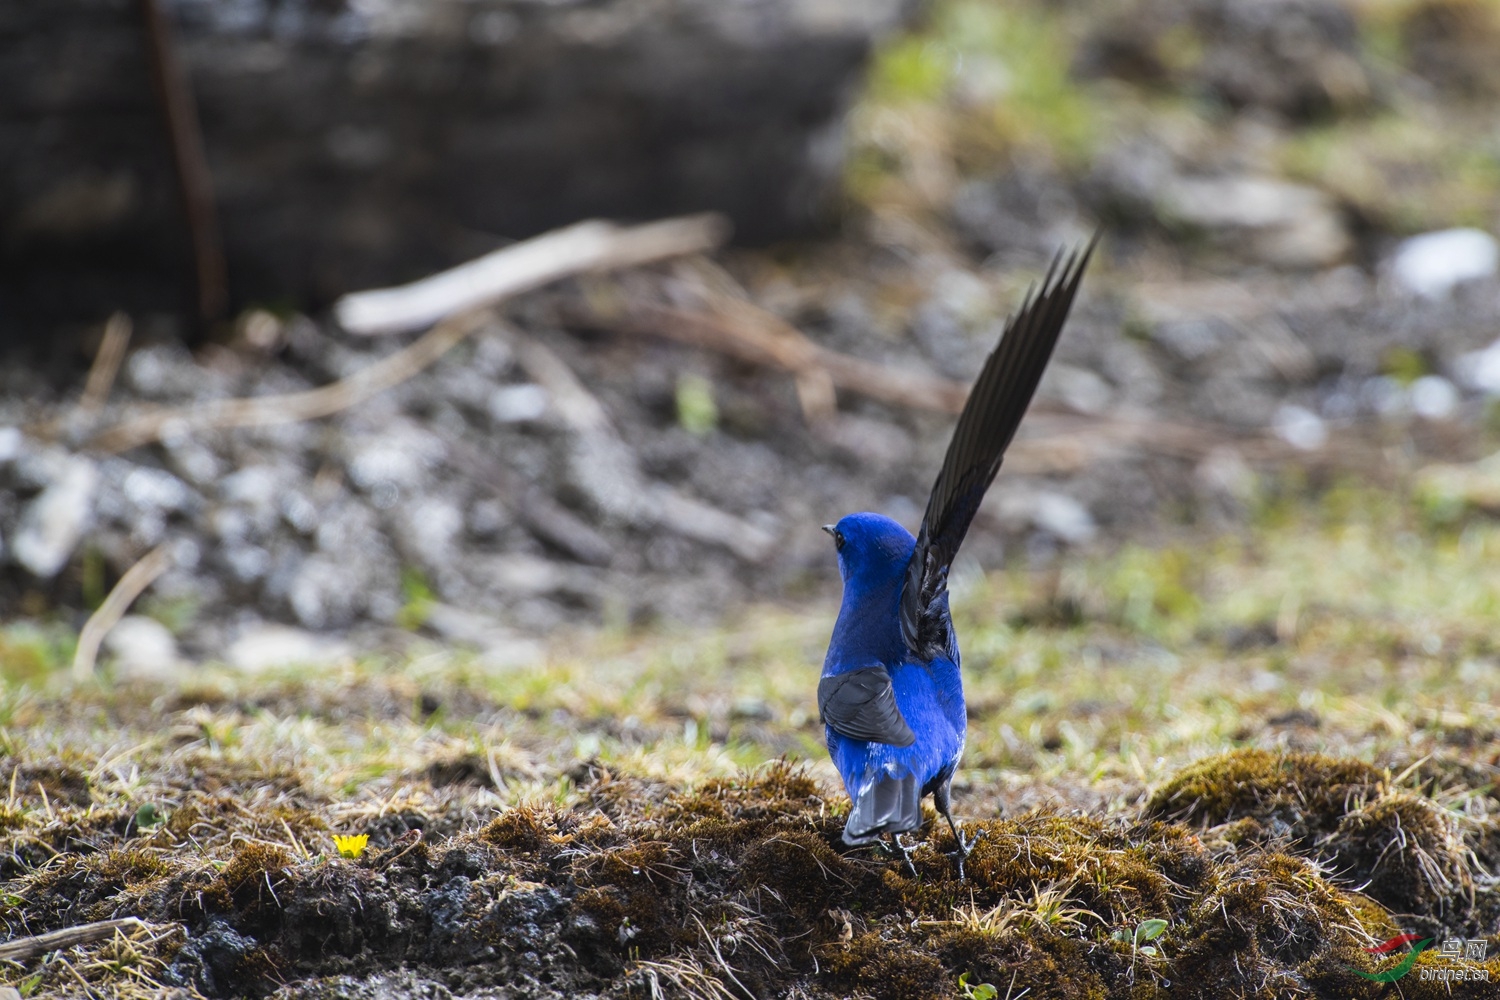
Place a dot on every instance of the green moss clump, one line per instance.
(802, 871)
(887, 969)
(248, 877)
(1409, 851)
(1299, 795)
(1269, 920)
(522, 830)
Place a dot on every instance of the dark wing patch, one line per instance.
(994, 410)
(861, 705)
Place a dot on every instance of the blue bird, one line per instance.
(891, 695)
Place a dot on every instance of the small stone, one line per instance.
(52, 524)
(154, 490)
(752, 710)
(1433, 264)
(1224, 472)
(1078, 387)
(143, 650)
(265, 647)
(1433, 397)
(1057, 514)
(398, 460)
(321, 595)
(256, 490)
(429, 529)
(1286, 225)
(1481, 369)
(514, 404)
(1300, 427)
(299, 512)
(12, 443)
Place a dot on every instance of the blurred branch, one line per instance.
(130, 586)
(106, 363)
(194, 180)
(743, 330)
(755, 335)
(521, 267)
(260, 411)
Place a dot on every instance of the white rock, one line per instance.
(153, 489)
(143, 649)
(430, 528)
(1433, 397)
(12, 443)
(1224, 472)
(398, 459)
(320, 593)
(1300, 427)
(266, 647)
(52, 524)
(500, 647)
(1481, 369)
(1080, 388)
(1289, 225)
(1055, 513)
(512, 404)
(1433, 264)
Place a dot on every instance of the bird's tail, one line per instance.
(890, 805)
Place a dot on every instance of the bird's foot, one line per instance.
(964, 847)
(906, 852)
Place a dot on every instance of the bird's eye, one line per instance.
(838, 540)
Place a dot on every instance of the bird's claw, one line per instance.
(964, 847)
(906, 852)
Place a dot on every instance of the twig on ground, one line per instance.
(260, 411)
(130, 586)
(194, 180)
(453, 299)
(752, 334)
(768, 340)
(521, 267)
(106, 364)
(22, 949)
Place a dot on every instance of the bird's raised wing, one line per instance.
(985, 428)
(861, 705)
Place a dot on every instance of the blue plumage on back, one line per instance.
(891, 695)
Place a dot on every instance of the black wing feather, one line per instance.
(861, 705)
(989, 420)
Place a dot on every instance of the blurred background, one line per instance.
(482, 658)
(1297, 293)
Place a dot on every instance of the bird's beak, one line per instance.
(832, 530)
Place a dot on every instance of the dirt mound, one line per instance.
(1403, 850)
(743, 887)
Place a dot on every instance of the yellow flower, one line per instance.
(351, 846)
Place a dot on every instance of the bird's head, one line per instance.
(872, 548)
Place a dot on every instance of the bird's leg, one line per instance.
(906, 852)
(940, 799)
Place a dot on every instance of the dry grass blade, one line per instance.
(106, 364)
(259, 411)
(694, 982)
(25, 948)
(130, 586)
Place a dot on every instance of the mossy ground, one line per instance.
(1283, 745)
